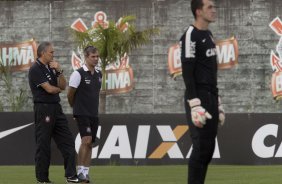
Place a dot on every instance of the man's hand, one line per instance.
(55, 65)
(221, 112)
(198, 113)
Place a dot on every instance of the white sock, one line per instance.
(85, 171)
(80, 169)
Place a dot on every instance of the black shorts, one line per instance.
(87, 126)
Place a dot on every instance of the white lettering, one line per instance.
(117, 143)
(225, 53)
(176, 58)
(118, 80)
(29, 55)
(278, 83)
(17, 56)
(211, 52)
(259, 148)
(142, 142)
(167, 135)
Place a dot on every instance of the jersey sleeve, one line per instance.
(188, 60)
(37, 77)
(75, 79)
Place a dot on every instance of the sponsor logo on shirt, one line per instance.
(87, 81)
(88, 130)
(47, 119)
(211, 52)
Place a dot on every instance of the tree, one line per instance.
(16, 98)
(113, 42)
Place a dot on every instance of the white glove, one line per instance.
(221, 112)
(198, 113)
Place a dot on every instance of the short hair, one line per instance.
(89, 49)
(195, 5)
(42, 48)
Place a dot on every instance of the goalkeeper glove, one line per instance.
(198, 113)
(221, 112)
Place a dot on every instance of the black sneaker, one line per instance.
(73, 179)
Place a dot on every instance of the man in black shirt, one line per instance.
(83, 96)
(199, 70)
(46, 81)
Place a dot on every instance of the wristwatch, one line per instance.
(58, 73)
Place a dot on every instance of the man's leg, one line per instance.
(94, 128)
(84, 155)
(203, 140)
(201, 156)
(65, 142)
(44, 122)
(85, 126)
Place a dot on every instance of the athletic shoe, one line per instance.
(87, 179)
(73, 179)
(81, 177)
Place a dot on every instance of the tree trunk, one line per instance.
(102, 103)
(103, 94)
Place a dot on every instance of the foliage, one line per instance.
(114, 41)
(15, 97)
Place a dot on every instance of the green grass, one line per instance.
(151, 174)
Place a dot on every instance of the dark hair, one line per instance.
(195, 5)
(42, 47)
(89, 49)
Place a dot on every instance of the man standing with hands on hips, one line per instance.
(83, 96)
(46, 81)
(199, 70)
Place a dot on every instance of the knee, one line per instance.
(203, 152)
(86, 141)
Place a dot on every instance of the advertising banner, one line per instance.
(227, 56)
(18, 55)
(119, 75)
(275, 61)
(152, 139)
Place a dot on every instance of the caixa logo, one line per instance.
(261, 147)
(118, 142)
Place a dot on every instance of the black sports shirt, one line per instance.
(39, 74)
(86, 99)
(199, 63)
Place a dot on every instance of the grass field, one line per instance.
(151, 174)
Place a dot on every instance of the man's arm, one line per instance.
(61, 80)
(71, 93)
(74, 82)
(38, 78)
(188, 61)
(50, 89)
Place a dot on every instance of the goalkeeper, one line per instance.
(199, 70)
